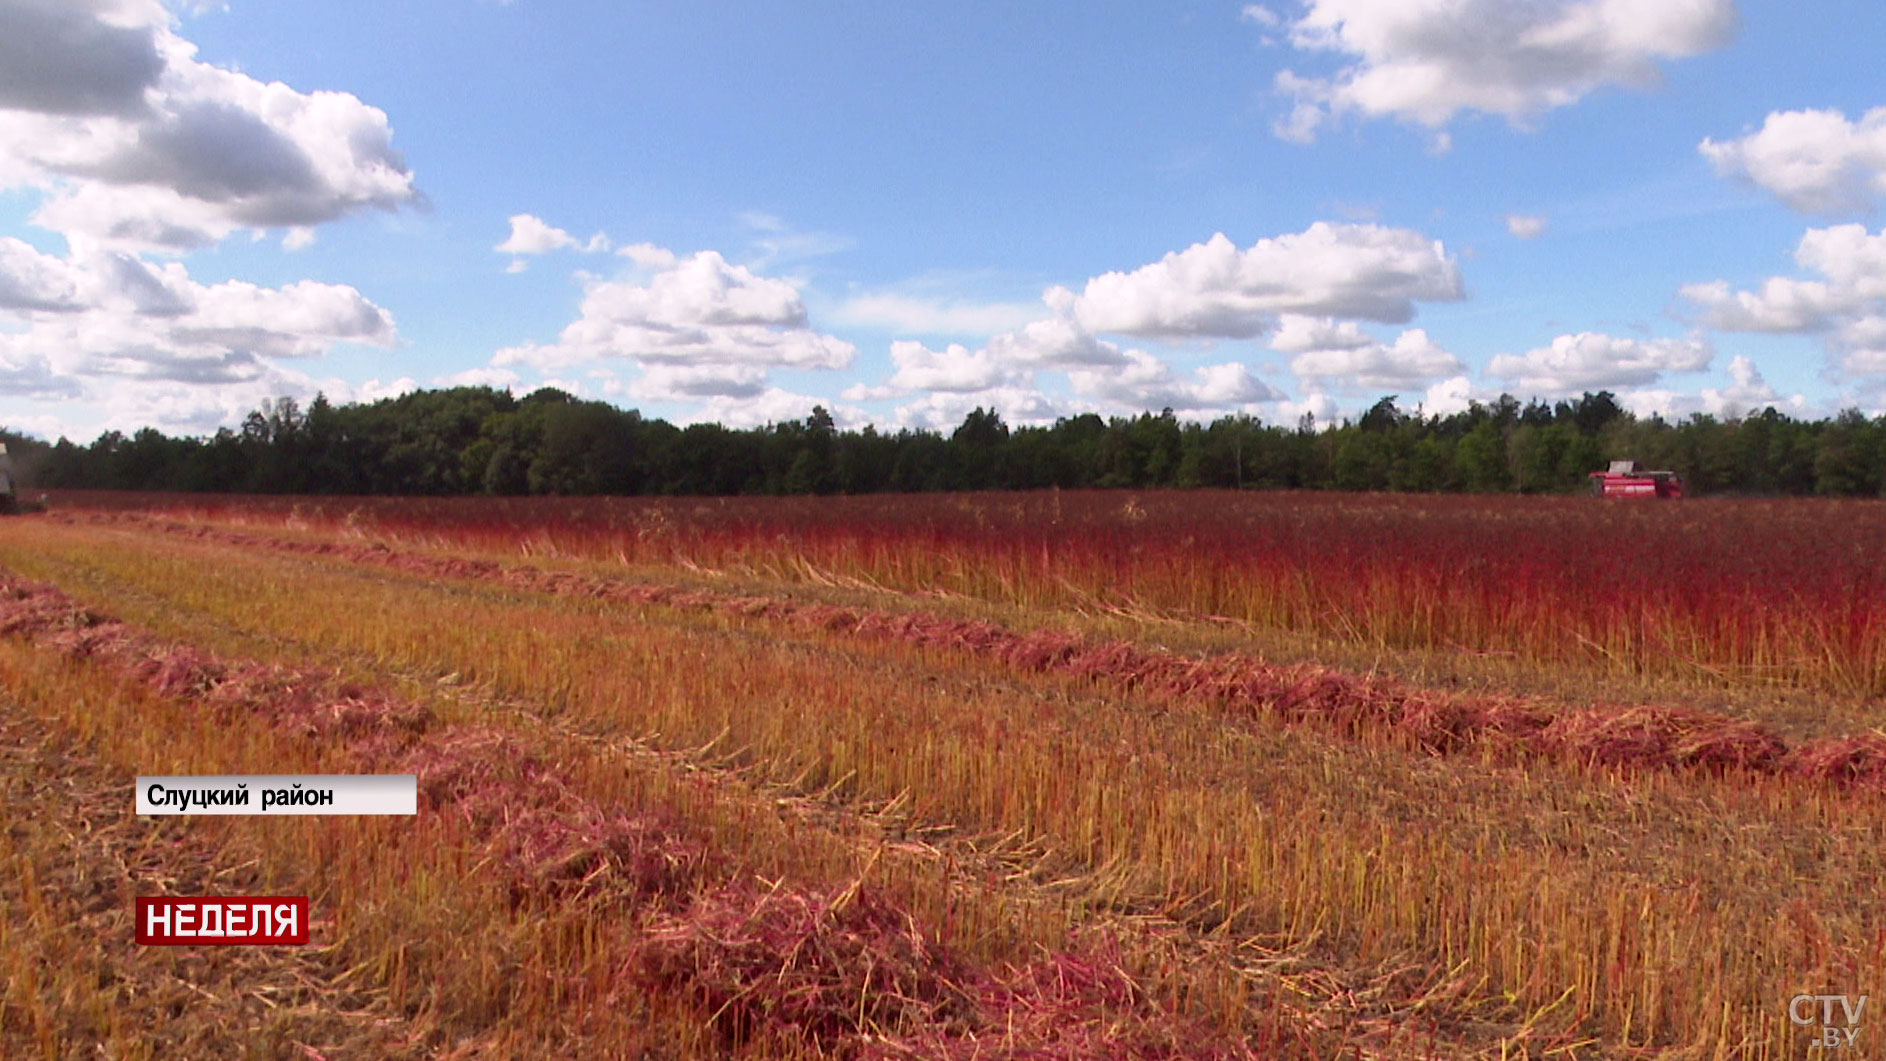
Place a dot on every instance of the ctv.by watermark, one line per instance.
(1818, 1012)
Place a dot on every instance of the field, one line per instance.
(1058, 775)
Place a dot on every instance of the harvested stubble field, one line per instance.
(1067, 776)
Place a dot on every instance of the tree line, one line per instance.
(480, 440)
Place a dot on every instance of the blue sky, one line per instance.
(902, 212)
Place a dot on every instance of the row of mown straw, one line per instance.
(1647, 738)
(841, 970)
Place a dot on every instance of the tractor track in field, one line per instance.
(560, 842)
(1630, 738)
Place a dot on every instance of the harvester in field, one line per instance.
(1626, 479)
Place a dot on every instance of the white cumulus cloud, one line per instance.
(194, 408)
(1055, 342)
(1146, 383)
(103, 313)
(1816, 161)
(1590, 361)
(1321, 407)
(772, 405)
(1427, 61)
(26, 373)
(1845, 304)
(698, 310)
(134, 148)
(702, 330)
(77, 58)
(1747, 394)
(32, 280)
(1449, 396)
(1783, 304)
(945, 410)
(1213, 289)
(532, 235)
(684, 383)
(107, 113)
(955, 368)
(1008, 363)
(1411, 362)
(1297, 334)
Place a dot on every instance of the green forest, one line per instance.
(478, 440)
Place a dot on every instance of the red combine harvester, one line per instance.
(1626, 479)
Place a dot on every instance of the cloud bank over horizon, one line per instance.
(186, 239)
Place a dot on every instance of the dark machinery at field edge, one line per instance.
(8, 503)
